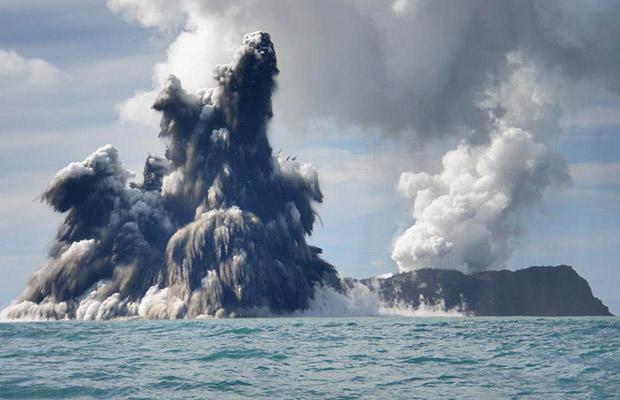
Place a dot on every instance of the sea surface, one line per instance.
(296, 358)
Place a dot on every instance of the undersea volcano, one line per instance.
(216, 227)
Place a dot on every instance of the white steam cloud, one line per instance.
(464, 215)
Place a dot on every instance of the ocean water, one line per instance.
(345, 358)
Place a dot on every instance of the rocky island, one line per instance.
(533, 291)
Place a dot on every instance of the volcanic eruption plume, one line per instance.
(216, 227)
(465, 217)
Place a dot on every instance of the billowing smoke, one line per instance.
(465, 216)
(216, 227)
(407, 68)
(503, 76)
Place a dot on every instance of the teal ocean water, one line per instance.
(426, 358)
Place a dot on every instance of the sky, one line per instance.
(367, 91)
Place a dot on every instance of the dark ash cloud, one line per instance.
(218, 227)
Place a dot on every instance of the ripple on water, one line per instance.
(301, 358)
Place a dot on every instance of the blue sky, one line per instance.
(94, 60)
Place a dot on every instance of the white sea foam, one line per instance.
(29, 311)
(362, 301)
(159, 303)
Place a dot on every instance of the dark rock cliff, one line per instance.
(533, 291)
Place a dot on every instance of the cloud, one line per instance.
(405, 69)
(137, 110)
(161, 14)
(18, 73)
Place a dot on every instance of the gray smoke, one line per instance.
(408, 68)
(216, 227)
